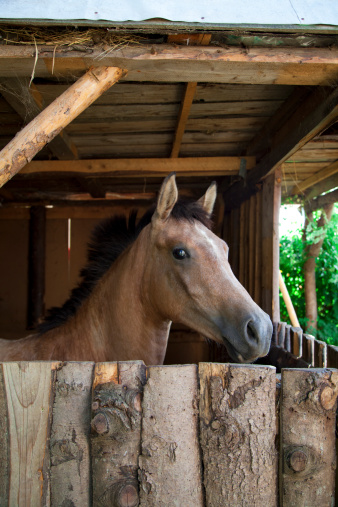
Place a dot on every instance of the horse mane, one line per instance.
(108, 240)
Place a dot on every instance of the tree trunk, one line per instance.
(312, 252)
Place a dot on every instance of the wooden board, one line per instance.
(70, 471)
(167, 63)
(308, 408)
(28, 391)
(116, 432)
(169, 466)
(238, 431)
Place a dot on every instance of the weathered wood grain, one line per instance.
(4, 443)
(116, 432)
(308, 458)
(237, 431)
(70, 469)
(170, 468)
(29, 401)
(49, 123)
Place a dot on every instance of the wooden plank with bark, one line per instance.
(237, 432)
(170, 467)
(308, 459)
(4, 443)
(70, 469)
(49, 123)
(28, 390)
(116, 432)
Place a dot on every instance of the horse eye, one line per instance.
(180, 254)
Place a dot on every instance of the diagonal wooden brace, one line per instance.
(49, 123)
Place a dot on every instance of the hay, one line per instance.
(76, 38)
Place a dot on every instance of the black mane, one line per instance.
(108, 240)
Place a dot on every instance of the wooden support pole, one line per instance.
(288, 303)
(237, 434)
(36, 266)
(271, 200)
(54, 118)
(308, 458)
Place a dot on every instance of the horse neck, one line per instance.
(117, 318)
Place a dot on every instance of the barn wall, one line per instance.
(252, 234)
(13, 276)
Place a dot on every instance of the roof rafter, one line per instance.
(315, 113)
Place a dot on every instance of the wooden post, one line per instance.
(237, 432)
(271, 200)
(49, 123)
(69, 443)
(308, 458)
(36, 266)
(116, 432)
(26, 406)
(169, 467)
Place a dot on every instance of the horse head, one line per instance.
(192, 282)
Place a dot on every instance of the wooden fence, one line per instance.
(122, 434)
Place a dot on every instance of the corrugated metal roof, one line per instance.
(229, 12)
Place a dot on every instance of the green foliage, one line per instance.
(292, 258)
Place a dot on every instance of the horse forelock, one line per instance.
(108, 240)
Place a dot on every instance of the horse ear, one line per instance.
(208, 200)
(167, 198)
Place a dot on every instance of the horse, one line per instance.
(169, 268)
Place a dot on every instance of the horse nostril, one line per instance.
(252, 332)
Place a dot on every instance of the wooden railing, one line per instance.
(123, 434)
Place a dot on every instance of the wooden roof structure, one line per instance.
(189, 102)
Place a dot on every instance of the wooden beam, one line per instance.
(27, 101)
(49, 123)
(144, 167)
(322, 186)
(165, 63)
(321, 175)
(321, 201)
(315, 113)
(183, 117)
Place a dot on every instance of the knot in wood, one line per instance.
(328, 397)
(100, 423)
(298, 460)
(128, 496)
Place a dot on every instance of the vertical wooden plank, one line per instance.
(4, 442)
(237, 432)
(28, 388)
(281, 334)
(308, 437)
(288, 337)
(271, 199)
(332, 356)
(235, 241)
(36, 266)
(258, 250)
(245, 246)
(69, 444)
(241, 273)
(320, 354)
(309, 349)
(296, 341)
(116, 432)
(251, 245)
(170, 467)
